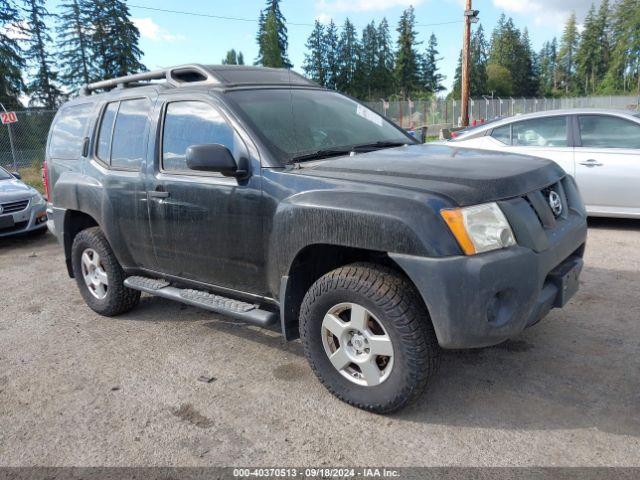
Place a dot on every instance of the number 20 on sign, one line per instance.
(8, 117)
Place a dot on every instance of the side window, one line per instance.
(540, 132)
(68, 132)
(130, 133)
(502, 134)
(192, 123)
(106, 128)
(602, 131)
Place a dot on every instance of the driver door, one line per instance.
(205, 227)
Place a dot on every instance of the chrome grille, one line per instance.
(12, 207)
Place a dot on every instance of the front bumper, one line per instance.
(484, 299)
(30, 219)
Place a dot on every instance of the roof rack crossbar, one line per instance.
(168, 74)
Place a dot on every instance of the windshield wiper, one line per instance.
(328, 152)
(378, 145)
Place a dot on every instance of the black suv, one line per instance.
(254, 193)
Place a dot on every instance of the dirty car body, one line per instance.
(309, 185)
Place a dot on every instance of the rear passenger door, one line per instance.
(608, 164)
(206, 227)
(121, 150)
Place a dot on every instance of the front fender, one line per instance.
(364, 220)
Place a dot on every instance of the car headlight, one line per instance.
(38, 200)
(480, 228)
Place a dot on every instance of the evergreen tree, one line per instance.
(511, 50)
(368, 61)
(233, 58)
(348, 55)
(567, 54)
(315, 61)
(529, 66)
(331, 52)
(478, 69)
(431, 79)
(547, 66)
(273, 14)
(73, 42)
(384, 79)
(114, 40)
(11, 57)
(407, 66)
(42, 87)
(623, 74)
(270, 48)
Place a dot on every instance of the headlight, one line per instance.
(38, 200)
(480, 228)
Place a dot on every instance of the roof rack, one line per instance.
(176, 76)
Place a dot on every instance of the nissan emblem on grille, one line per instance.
(555, 203)
(1, 209)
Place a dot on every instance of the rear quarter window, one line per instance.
(67, 133)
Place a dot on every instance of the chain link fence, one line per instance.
(440, 113)
(22, 143)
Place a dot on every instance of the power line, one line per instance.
(239, 19)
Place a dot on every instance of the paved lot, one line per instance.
(78, 389)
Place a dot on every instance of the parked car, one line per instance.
(254, 193)
(22, 208)
(599, 148)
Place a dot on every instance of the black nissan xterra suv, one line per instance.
(256, 194)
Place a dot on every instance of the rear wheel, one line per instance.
(99, 275)
(368, 337)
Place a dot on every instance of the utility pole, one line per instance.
(470, 16)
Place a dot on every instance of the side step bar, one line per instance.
(247, 312)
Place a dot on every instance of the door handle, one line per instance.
(590, 163)
(158, 194)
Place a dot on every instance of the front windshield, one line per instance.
(295, 122)
(4, 175)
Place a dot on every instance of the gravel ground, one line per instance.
(78, 389)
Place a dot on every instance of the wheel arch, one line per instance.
(74, 222)
(309, 264)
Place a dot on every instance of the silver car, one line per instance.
(599, 148)
(22, 208)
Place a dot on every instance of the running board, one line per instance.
(247, 312)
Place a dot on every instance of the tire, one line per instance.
(116, 297)
(393, 309)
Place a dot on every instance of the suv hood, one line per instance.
(13, 189)
(466, 176)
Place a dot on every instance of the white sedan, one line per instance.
(599, 148)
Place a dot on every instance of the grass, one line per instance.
(32, 176)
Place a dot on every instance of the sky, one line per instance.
(169, 38)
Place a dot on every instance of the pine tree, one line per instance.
(271, 52)
(384, 79)
(114, 40)
(529, 66)
(348, 55)
(264, 37)
(42, 88)
(331, 51)
(233, 58)
(407, 66)
(623, 74)
(567, 54)
(478, 70)
(73, 42)
(547, 66)
(586, 59)
(511, 50)
(315, 61)
(431, 79)
(368, 61)
(11, 57)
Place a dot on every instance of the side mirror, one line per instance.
(213, 157)
(17, 175)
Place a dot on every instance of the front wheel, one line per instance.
(368, 337)
(99, 275)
